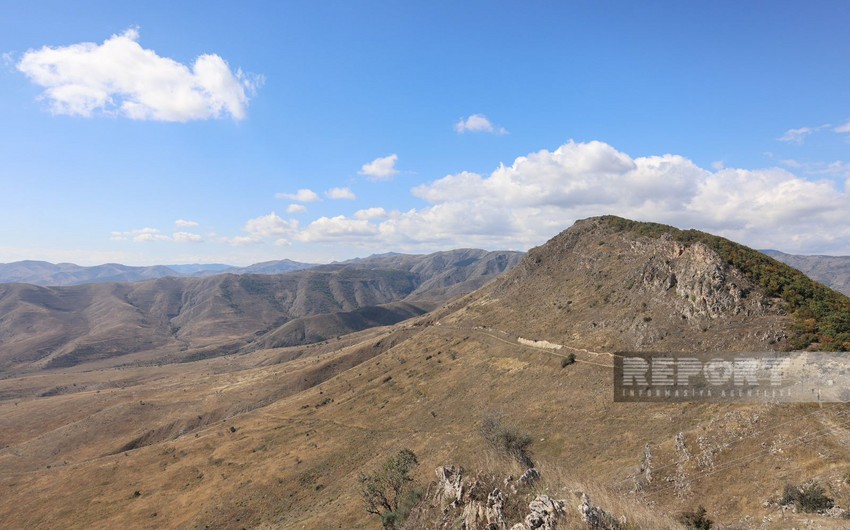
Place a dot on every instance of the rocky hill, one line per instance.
(283, 437)
(615, 284)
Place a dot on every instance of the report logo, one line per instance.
(732, 377)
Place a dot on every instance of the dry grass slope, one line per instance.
(276, 438)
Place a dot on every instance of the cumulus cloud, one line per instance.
(147, 235)
(140, 235)
(326, 229)
(371, 213)
(186, 237)
(380, 168)
(296, 208)
(522, 204)
(119, 77)
(340, 193)
(477, 123)
(265, 227)
(302, 195)
(183, 223)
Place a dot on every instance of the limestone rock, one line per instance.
(544, 513)
(595, 517)
(450, 485)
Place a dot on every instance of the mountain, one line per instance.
(280, 437)
(201, 269)
(184, 318)
(44, 273)
(64, 274)
(271, 267)
(832, 271)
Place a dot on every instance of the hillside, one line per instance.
(277, 438)
(172, 319)
(832, 271)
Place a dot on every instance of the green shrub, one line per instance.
(696, 519)
(388, 492)
(810, 498)
(568, 360)
(507, 440)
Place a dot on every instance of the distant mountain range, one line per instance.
(196, 317)
(63, 274)
(832, 271)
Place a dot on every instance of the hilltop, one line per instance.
(276, 438)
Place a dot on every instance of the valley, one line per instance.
(272, 435)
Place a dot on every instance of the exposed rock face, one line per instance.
(682, 483)
(449, 485)
(544, 513)
(475, 504)
(495, 511)
(595, 517)
(610, 290)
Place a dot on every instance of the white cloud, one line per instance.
(302, 195)
(183, 223)
(340, 193)
(186, 237)
(140, 235)
(325, 229)
(538, 195)
(843, 128)
(121, 78)
(270, 225)
(798, 136)
(521, 205)
(380, 168)
(265, 227)
(296, 208)
(478, 123)
(147, 235)
(371, 213)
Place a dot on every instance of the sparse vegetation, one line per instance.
(822, 316)
(507, 440)
(810, 498)
(568, 360)
(388, 492)
(696, 519)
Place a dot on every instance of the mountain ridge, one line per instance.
(173, 318)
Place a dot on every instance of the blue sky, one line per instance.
(183, 132)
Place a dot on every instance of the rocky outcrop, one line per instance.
(530, 476)
(449, 486)
(479, 503)
(595, 517)
(545, 513)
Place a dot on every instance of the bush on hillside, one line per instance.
(388, 492)
(507, 440)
